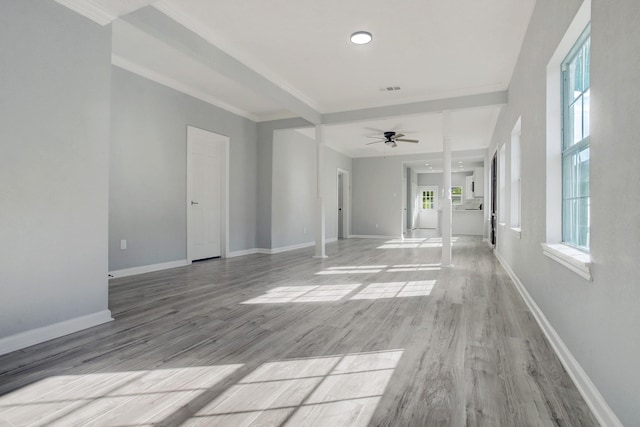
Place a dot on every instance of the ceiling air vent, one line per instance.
(390, 88)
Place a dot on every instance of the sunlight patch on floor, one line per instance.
(342, 390)
(396, 290)
(400, 268)
(413, 243)
(109, 399)
(285, 294)
(353, 270)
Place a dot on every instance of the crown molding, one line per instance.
(89, 9)
(154, 76)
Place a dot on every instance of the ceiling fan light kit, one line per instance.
(390, 138)
(361, 37)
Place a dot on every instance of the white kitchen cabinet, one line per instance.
(478, 182)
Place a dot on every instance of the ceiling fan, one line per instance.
(390, 138)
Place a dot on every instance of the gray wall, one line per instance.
(265, 174)
(54, 108)
(294, 189)
(332, 161)
(431, 179)
(598, 321)
(377, 190)
(148, 171)
(377, 197)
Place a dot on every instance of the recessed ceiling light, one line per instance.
(361, 37)
(426, 164)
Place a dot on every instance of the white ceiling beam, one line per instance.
(104, 12)
(433, 106)
(177, 36)
(89, 9)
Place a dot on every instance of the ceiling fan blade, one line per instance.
(374, 130)
(374, 142)
(398, 135)
(374, 136)
(415, 141)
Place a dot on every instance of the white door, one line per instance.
(428, 204)
(204, 193)
(343, 203)
(340, 205)
(404, 205)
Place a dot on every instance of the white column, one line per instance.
(446, 183)
(320, 226)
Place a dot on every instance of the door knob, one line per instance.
(193, 203)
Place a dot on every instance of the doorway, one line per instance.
(207, 194)
(428, 207)
(343, 204)
(494, 187)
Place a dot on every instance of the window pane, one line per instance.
(576, 222)
(586, 58)
(573, 124)
(575, 79)
(583, 173)
(586, 107)
(575, 194)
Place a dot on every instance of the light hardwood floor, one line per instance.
(376, 334)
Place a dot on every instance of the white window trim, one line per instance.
(516, 231)
(574, 259)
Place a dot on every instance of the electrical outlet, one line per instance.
(376, 225)
(123, 245)
(304, 229)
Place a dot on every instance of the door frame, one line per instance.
(346, 203)
(436, 201)
(224, 185)
(493, 213)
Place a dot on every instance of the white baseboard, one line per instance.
(281, 249)
(372, 236)
(46, 333)
(286, 248)
(243, 252)
(601, 410)
(148, 268)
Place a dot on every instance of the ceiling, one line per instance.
(431, 50)
(471, 129)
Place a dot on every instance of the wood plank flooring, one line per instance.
(377, 334)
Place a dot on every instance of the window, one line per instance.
(428, 199)
(567, 146)
(515, 175)
(502, 182)
(456, 195)
(575, 144)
